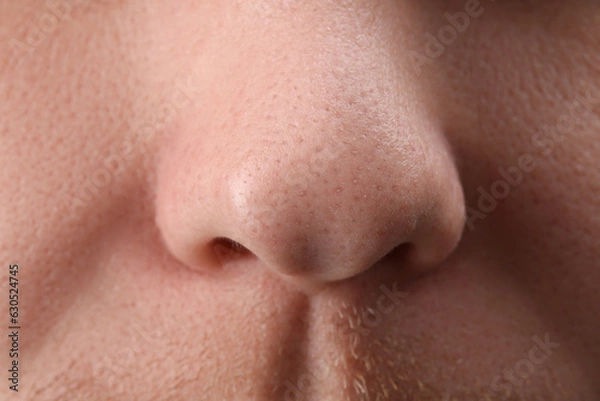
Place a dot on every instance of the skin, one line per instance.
(139, 139)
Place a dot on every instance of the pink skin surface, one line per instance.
(301, 200)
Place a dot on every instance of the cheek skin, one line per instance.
(550, 205)
(243, 121)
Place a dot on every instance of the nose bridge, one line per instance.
(320, 135)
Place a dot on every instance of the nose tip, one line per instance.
(322, 210)
(337, 209)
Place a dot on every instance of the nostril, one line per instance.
(226, 249)
(400, 253)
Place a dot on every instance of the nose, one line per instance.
(316, 169)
